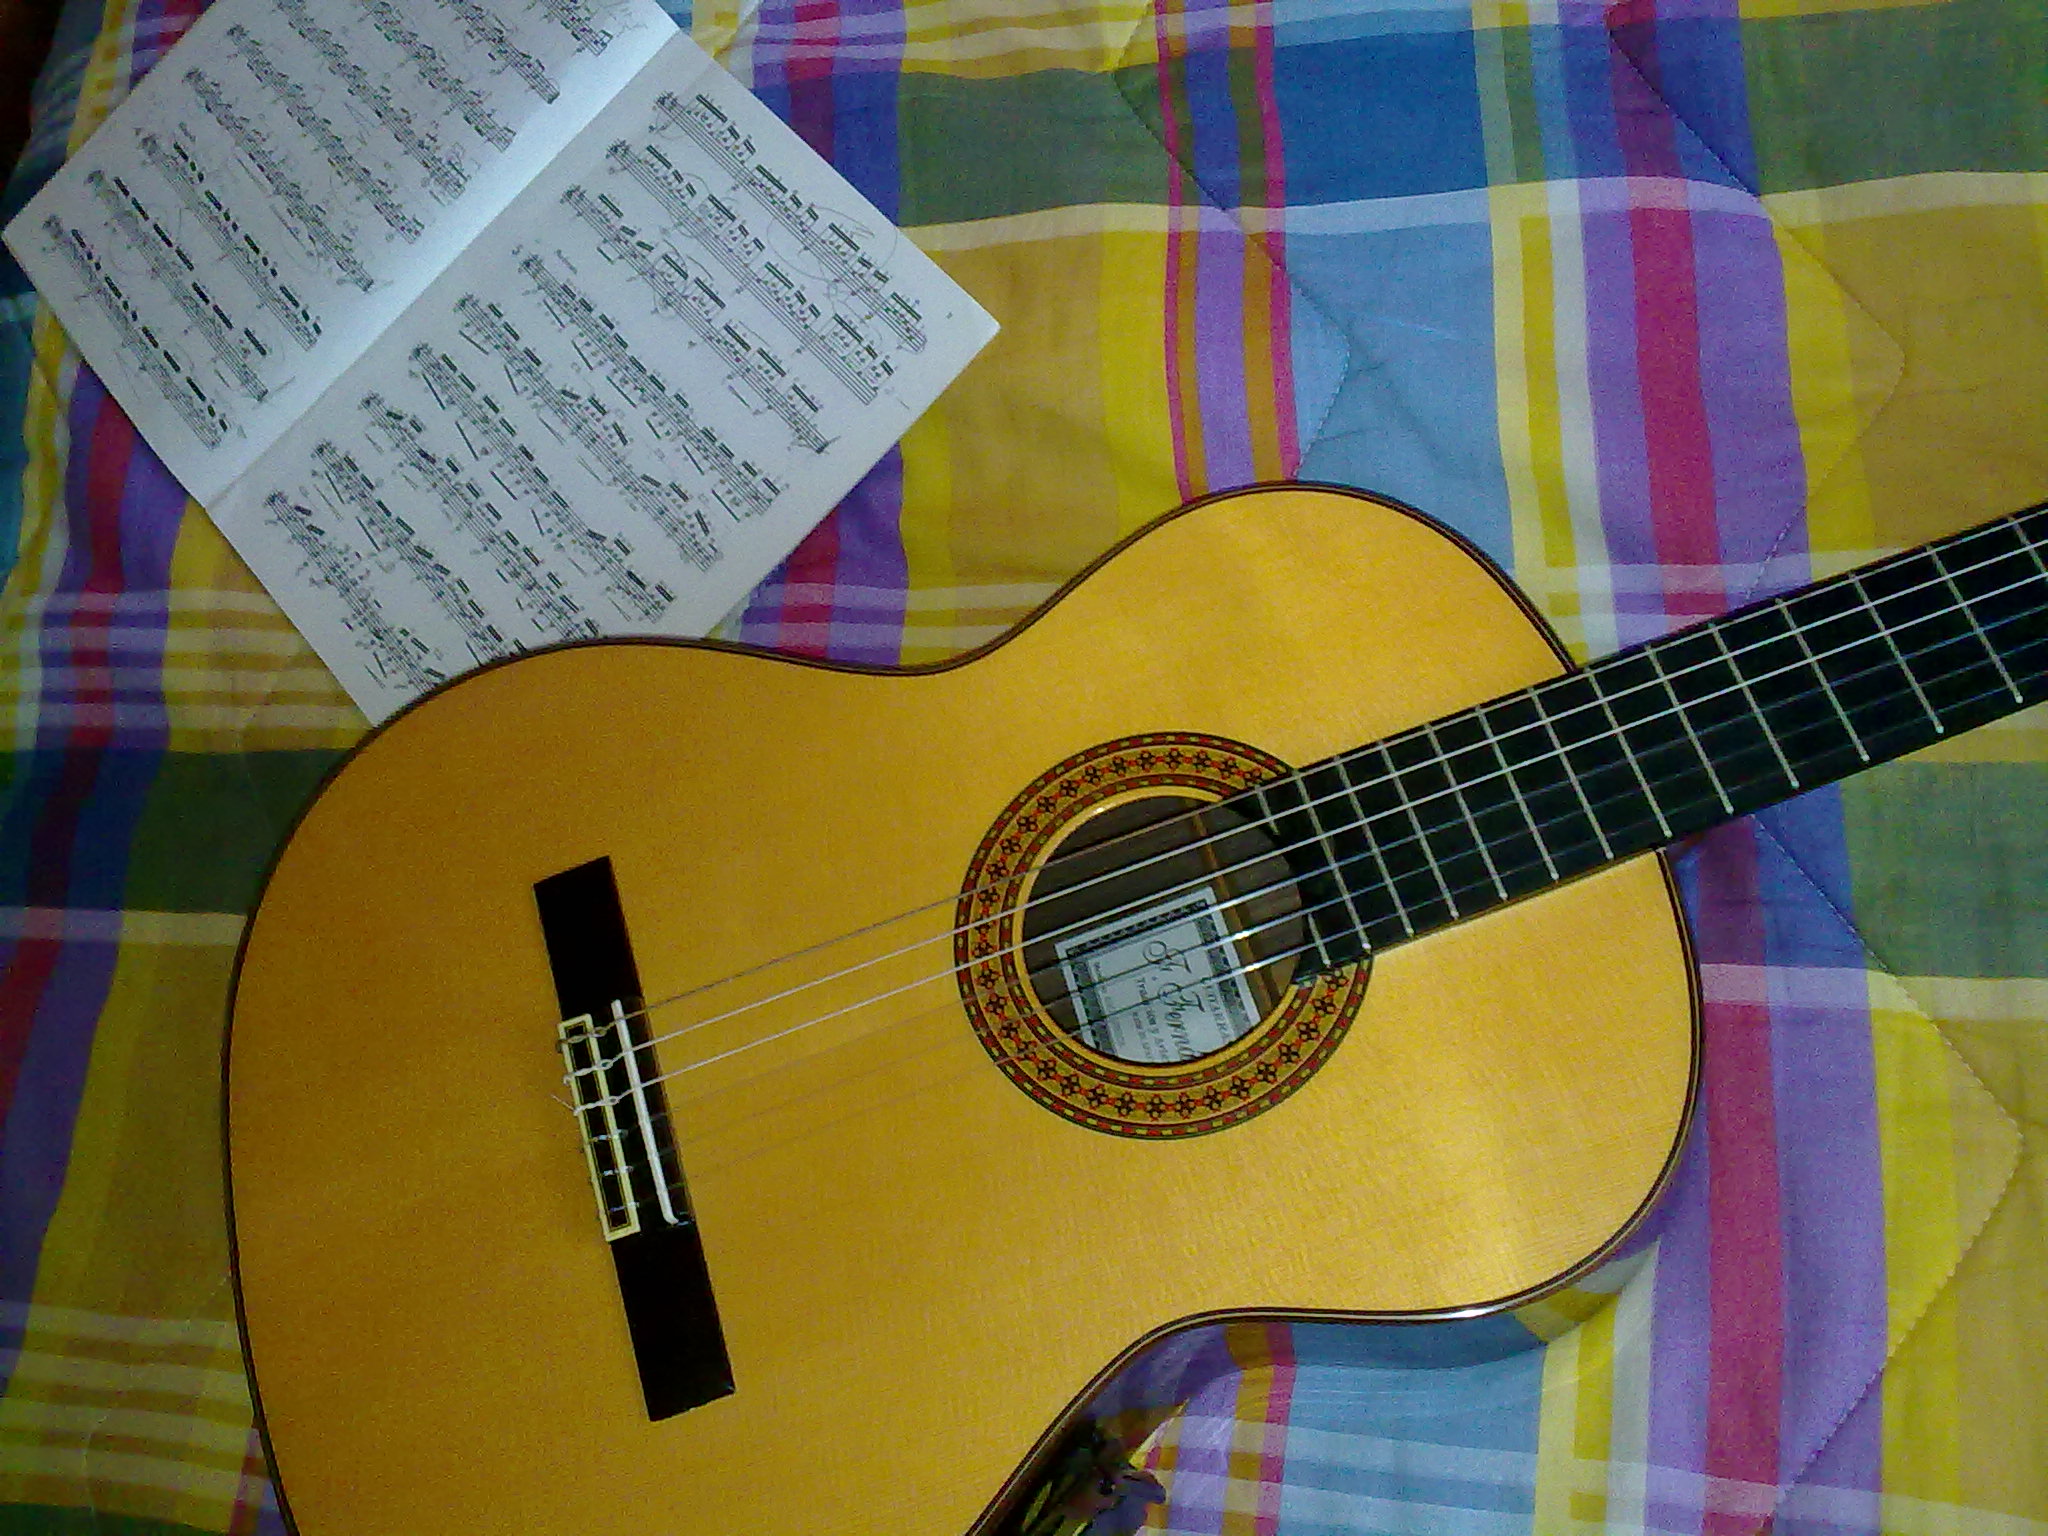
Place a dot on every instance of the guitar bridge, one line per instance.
(623, 1117)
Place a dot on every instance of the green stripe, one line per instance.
(979, 149)
(211, 823)
(1949, 865)
(1864, 95)
(53, 1520)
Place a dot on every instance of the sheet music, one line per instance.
(291, 176)
(681, 343)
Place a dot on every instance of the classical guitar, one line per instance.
(680, 1090)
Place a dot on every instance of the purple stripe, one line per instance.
(36, 1140)
(1621, 450)
(1829, 1157)
(1219, 360)
(847, 107)
(872, 561)
(1745, 374)
(1681, 1327)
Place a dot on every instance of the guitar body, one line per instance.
(920, 1269)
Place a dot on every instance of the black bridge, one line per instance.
(622, 1113)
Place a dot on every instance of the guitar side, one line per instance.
(920, 1270)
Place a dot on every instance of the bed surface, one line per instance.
(1665, 306)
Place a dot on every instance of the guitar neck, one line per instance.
(1665, 739)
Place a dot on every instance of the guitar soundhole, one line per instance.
(1161, 930)
(1126, 949)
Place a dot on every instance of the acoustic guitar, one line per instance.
(681, 1090)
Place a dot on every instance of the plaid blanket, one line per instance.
(1666, 304)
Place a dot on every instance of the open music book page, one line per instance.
(477, 329)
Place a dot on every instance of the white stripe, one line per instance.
(172, 1431)
(140, 635)
(1067, 223)
(83, 925)
(195, 1381)
(99, 1467)
(1316, 1452)
(205, 601)
(182, 715)
(75, 1322)
(1926, 193)
(1793, 986)
(1980, 997)
(182, 679)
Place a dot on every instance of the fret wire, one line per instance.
(1386, 875)
(1344, 892)
(2026, 540)
(1963, 607)
(1557, 751)
(1474, 890)
(1854, 583)
(1628, 751)
(1464, 809)
(1407, 808)
(1685, 719)
(1298, 784)
(1515, 788)
(1756, 709)
(1825, 686)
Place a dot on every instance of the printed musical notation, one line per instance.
(394, 654)
(306, 216)
(174, 269)
(449, 405)
(742, 488)
(835, 241)
(315, 165)
(185, 393)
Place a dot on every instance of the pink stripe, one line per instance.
(1273, 1440)
(1681, 456)
(1175, 244)
(804, 624)
(1279, 290)
(1746, 1288)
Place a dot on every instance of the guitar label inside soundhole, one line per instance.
(1165, 985)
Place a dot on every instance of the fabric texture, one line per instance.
(1664, 304)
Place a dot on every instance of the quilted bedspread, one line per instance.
(1665, 304)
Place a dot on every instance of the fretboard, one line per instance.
(1665, 739)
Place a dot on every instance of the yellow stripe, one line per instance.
(1260, 360)
(927, 525)
(987, 38)
(1511, 376)
(1922, 1427)
(1557, 1420)
(1135, 426)
(1527, 385)
(1825, 384)
(161, 1012)
(1762, 10)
